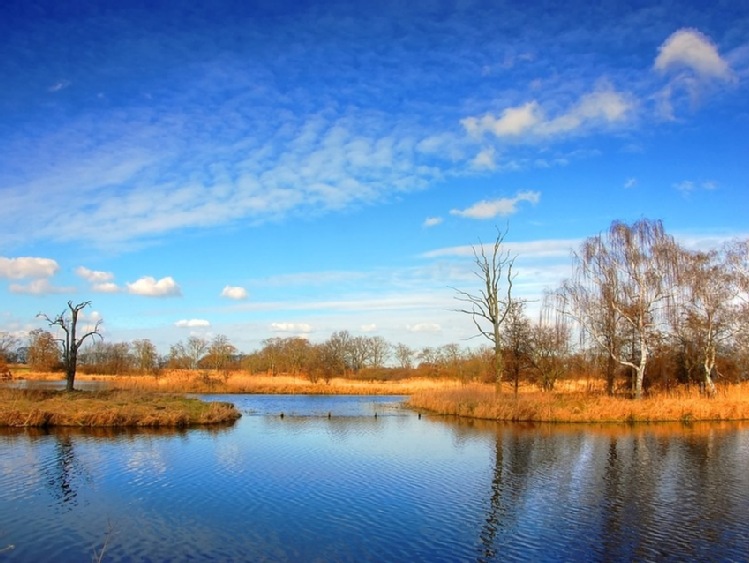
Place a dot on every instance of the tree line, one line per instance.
(640, 310)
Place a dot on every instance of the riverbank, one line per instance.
(187, 381)
(45, 408)
(573, 401)
(682, 405)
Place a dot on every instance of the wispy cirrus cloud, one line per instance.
(192, 323)
(604, 107)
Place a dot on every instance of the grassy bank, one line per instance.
(683, 405)
(43, 408)
(187, 381)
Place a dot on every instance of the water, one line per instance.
(330, 481)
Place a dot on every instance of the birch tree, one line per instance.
(623, 283)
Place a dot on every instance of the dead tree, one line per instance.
(490, 307)
(71, 343)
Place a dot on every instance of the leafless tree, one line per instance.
(68, 323)
(550, 343)
(709, 312)
(490, 307)
(145, 356)
(404, 355)
(623, 286)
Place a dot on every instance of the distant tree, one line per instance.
(550, 344)
(404, 356)
(358, 353)
(8, 346)
(68, 323)
(516, 342)
(43, 351)
(379, 351)
(178, 357)
(492, 303)
(195, 348)
(145, 356)
(220, 355)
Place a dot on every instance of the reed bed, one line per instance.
(44, 408)
(186, 381)
(679, 405)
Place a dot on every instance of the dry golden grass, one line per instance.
(572, 401)
(41, 408)
(186, 381)
(683, 405)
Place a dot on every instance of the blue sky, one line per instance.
(270, 169)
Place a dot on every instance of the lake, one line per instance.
(364, 479)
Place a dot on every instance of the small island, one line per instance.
(111, 408)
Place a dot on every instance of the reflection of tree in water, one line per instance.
(512, 466)
(64, 472)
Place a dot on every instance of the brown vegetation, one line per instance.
(582, 404)
(205, 381)
(42, 408)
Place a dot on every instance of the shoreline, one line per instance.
(572, 402)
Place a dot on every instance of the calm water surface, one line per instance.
(330, 481)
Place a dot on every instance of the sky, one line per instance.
(262, 169)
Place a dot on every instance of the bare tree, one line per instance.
(550, 343)
(145, 356)
(379, 350)
(404, 355)
(8, 346)
(68, 322)
(623, 285)
(490, 306)
(709, 313)
(196, 348)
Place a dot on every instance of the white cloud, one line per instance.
(192, 323)
(291, 327)
(630, 183)
(692, 49)
(165, 287)
(234, 292)
(484, 160)
(39, 287)
(489, 209)
(369, 327)
(602, 107)
(432, 221)
(106, 287)
(94, 276)
(513, 121)
(424, 327)
(27, 267)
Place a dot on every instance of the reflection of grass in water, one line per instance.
(683, 405)
(21, 407)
